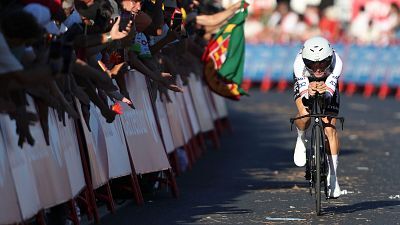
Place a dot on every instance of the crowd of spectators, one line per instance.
(62, 51)
(71, 55)
(375, 22)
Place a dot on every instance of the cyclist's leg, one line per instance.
(330, 124)
(332, 136)
(332, 146)
(332, 150)
(301, 125)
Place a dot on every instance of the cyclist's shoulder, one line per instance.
(298, 62)
(336, 56)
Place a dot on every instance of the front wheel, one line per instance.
(316, 148)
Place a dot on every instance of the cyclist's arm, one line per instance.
(300, 79)
(332, 79)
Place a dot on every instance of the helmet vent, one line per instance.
(321, 49)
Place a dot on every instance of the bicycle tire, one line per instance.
(324, 165)
(317, 152)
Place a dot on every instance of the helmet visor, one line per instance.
(318, 65)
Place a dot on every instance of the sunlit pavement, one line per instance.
(252, 179)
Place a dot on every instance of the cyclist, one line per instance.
(317, 68)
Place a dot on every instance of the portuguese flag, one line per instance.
(224, 57)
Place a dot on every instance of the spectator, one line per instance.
(360, 26)
(329, 25)
(282, 22)
(253, 28)
(387, 25)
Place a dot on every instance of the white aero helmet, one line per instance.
(317, 53)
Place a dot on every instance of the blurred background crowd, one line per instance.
(348, 21)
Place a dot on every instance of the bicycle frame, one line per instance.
(317, 157)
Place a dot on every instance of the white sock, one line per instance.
(333, 162)
(300, 133)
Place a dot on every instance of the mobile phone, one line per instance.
(177, 21)
(126, 17)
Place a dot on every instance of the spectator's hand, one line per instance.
(169, 82)
(114, 71)
(164, 96)
(116, 34)
(117, 68)
(128, 102)
(237, 5)
(165, 75)
(23, 120)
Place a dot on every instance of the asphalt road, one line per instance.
(253, 180)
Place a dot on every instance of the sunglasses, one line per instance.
(321, 65)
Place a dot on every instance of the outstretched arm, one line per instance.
(218, 18)
(333, 78)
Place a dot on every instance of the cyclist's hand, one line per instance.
(321, 87)
(312, 88)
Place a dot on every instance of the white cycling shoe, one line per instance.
(333, 187)
(299, 157)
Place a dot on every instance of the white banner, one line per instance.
(176, 99)
(73, 162)
(9, 207)
(174, 123)
(140, 128)
(117, 151)
(96, 147)
(200, 104)
(42, 176)
(49, 164)
(220, 104)
(107, 148)
(210, 103)
(164, 123)
(191, 111)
